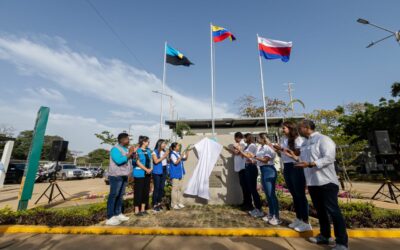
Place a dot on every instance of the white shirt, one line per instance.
(252, 148)
(238, 160)
(285, 144)
(265, 151)
(164, 162)
(320, 149)
(173, 156)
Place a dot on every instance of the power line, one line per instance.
(114, 32)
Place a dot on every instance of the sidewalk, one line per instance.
(107, 242)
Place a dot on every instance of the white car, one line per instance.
(69, 171)
(87, 173)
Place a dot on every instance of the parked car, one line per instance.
(15, 172)
(87, 173)
(69, 171)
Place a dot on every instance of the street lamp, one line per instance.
(170, 108)
(392, 33)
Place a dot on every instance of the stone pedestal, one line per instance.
(224, 181)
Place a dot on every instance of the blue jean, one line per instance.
(159, 184)
(268, 180)
(116, 197)
(251, 182)
(296, 183)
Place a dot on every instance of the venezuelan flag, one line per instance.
(175, 57)
(219, 34)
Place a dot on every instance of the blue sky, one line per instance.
(61, 54)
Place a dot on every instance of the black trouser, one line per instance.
(251, 181)
(325, 200)
(246, 194)
(296, 183)
(141, 191)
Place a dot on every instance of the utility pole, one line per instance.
(289, 85)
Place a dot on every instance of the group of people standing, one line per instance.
(143, 164)
(308, 163)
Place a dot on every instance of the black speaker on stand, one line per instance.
(58, 153)
(380, 141)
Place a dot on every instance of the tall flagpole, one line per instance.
(262, 88)
(162, 90)
(212, 83)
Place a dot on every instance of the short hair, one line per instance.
(238, 135)
(308, 124)
(122, 136)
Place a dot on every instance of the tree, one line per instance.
(6, 130)
(106, 137)
(395, 89)
(99, 155)
(182, 129)
(249, 106)
(23, 144)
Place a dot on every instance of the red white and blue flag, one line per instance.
(274, 49)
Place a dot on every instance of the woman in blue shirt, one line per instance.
(142, 176)
(176, 173)
(160, 162)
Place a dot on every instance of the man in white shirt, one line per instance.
(317, 158)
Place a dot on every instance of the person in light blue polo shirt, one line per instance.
(119, 170)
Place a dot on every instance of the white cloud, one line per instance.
(110, 80)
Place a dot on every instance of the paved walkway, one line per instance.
(107, 242)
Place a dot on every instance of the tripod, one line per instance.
(53, 183)
(391, 187)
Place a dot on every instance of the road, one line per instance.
(107, 242)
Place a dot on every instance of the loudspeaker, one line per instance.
(380, 142)
(59, 150)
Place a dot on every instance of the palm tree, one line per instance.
(396, 89)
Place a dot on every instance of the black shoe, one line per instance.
(139, 214)
(319, 239)
(144, 213)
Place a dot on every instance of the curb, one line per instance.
(260, 232)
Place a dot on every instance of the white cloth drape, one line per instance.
(208, 153)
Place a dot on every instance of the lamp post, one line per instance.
(170, 107)
(395, 34)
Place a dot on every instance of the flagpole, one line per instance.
(212, 83)
(262, 88)
(162, 89)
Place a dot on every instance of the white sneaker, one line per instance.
(113, 221)
(340, 247)
(266, 218)
(176, 207)
(295, 223)
(181, 205)
(122, 217)
(274, 221)
(303, 227)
